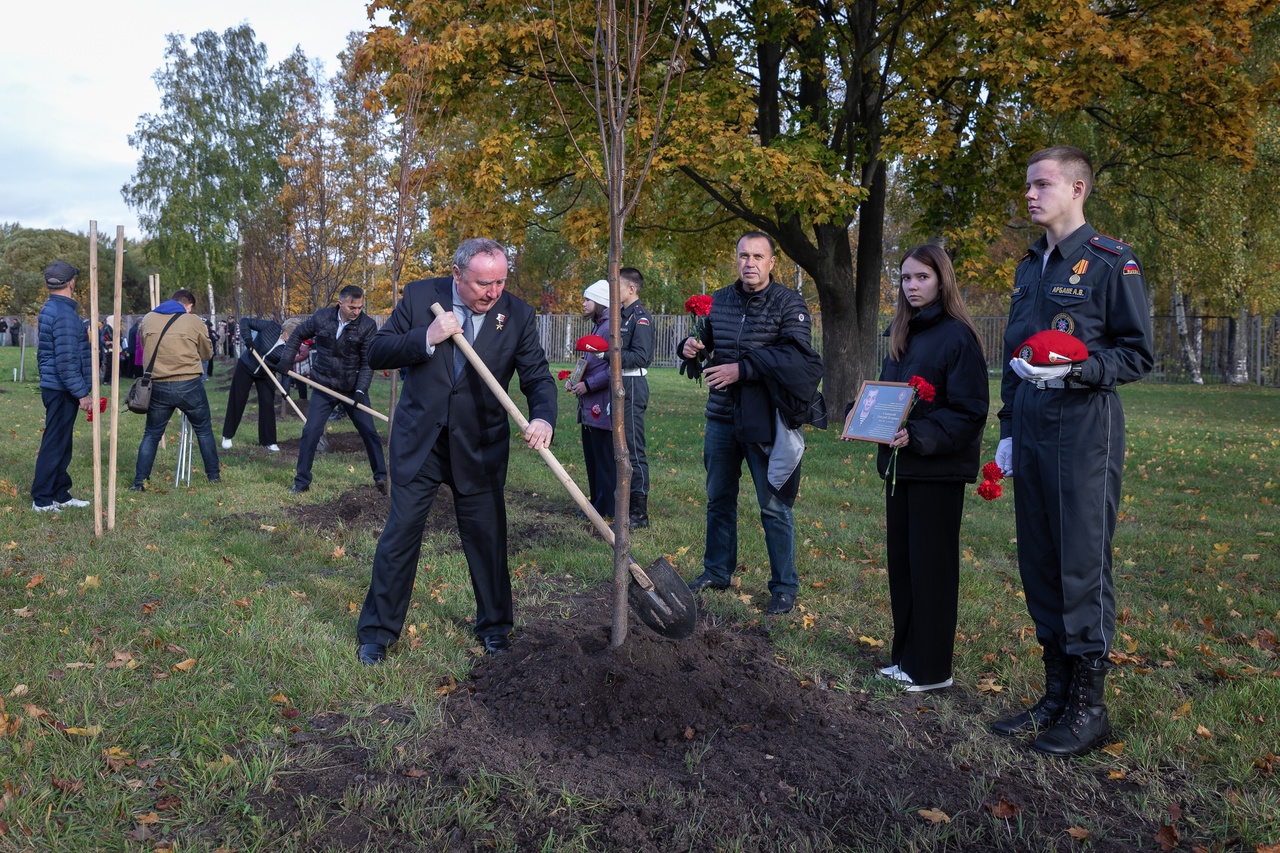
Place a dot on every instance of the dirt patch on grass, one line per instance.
(704, 744)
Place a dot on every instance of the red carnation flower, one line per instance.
(924, 390)
(563, 375)
(990, 489)
(102, 407)
(698, 305)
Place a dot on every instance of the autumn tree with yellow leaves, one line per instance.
(794, 109)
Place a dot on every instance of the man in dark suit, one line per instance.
(449, 428)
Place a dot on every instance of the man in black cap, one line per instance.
(66, 384)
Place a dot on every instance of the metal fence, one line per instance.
(559, 332)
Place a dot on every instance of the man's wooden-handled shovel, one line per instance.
(660, 598)
(271, 374)
(335, 395)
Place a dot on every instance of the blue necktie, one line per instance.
(460, 360)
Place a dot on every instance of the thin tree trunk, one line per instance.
(1240, 348)
(1189, 345)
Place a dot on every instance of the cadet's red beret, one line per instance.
(1051, 347)
(591, 343)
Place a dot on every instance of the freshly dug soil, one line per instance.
(703, 744)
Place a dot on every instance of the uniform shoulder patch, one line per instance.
(1109, 244)
(642, 320)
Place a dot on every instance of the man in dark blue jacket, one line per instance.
(66, 384)
(342, 336)
(758, 339)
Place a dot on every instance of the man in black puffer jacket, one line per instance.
(759, 361)
(342, 335)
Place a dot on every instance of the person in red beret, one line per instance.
(1078, 328)
(927, 464)
(592, 391)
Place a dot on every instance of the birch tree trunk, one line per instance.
(1240, 348)
(1189, 343)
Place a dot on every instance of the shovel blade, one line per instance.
(669, 608)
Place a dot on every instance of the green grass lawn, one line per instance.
(136, 664)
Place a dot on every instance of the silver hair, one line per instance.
(468, 249)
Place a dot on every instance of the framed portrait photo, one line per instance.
(878, 411)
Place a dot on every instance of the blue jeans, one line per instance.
(318, 411)
(722, 456)
(188, 397)
(52, 483)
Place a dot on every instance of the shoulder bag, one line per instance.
(139, 397)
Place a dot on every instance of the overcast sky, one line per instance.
(75, 76)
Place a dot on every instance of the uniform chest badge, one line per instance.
(502, 318)
(1063, 323)
(1081, 267)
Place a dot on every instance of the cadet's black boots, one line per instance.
(1083, 724)
(1042, 715)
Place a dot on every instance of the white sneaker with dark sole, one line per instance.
(70, 502)
(49, 508)
(925, 688)
(274, 448)
(226, 444)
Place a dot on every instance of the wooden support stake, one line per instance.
(115, 381)
(96, 389)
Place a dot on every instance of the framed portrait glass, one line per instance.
(878, 411)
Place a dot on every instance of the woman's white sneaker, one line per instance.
(925, 688)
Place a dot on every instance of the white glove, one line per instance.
(1004, 454)
(1032, 373)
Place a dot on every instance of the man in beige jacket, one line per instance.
(179, 342)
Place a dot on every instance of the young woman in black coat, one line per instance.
(938, 452)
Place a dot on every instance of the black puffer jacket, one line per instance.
(741, 322)
(341, 364)
(946, 434)
(258, 336)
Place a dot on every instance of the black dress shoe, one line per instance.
(495, 644)
(381, 486)
(297, 490)
(779, 603)
(371, 654)
(138, 487)
(705, 581)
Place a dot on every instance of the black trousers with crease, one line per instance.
(922, 521)
(482, 525)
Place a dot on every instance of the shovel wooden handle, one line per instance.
(602, 527)
(272, 375)
(335, 395)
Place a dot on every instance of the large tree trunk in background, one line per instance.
(850, 306)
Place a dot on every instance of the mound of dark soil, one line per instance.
(676, 746)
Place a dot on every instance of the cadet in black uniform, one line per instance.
(636, 333)
(1062, 437)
